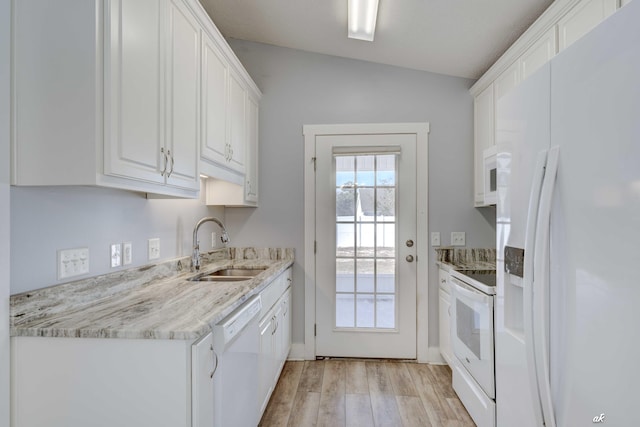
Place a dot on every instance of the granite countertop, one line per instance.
(478, 259)
(152, 302)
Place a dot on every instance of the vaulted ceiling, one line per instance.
(454, 37)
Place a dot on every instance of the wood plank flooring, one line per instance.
(352, 393)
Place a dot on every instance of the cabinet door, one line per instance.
(203, 366)
(506, 81)
(278, 343)
(539, 54)
(445, 321)
(215, 81)
(251, 174)
(237, 123)
(581, 19)
(133, 90)
(483, 138)
(183, 97)
(266, 360)
(285, 326)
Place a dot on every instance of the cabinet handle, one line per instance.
(172, 162)
(166, 161)
(215, 365)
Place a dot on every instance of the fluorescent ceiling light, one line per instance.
(362, 19)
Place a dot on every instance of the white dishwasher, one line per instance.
(236, 341)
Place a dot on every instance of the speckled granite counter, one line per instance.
(466, 259)
(154, 301)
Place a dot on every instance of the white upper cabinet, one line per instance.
(506, 81)
(215, 83)
(183, 97)
(582, 19)
(539, 54)
(484, 138)
(152, 73)
(121, 93)
(229, 148)
(251, 175)
(237, 123)
(560, 25)
(134, 133)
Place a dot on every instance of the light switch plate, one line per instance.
(154, 248)
(116, 255)
(458, 238)
(127, 253)
(435, 238)
(73, 262)
(214, 239)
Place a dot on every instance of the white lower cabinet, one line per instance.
(275, 335)
(79, 382)
(445, 317)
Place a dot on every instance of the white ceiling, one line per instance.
(455, 37)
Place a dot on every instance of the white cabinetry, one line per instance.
(237, 141)
(582, 19)
(182, 97)
(204, 362)
(215, 82)
(483, 112)
(539, 54)
(229, 149)
(275, 335)
(558, 27)
(506, 81)
(251, 164)
(79, 382)
(444, 316)
(106, 94)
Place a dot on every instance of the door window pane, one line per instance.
(365, 309)
(366, 241)
(345, 311)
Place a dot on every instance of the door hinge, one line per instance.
(313, 159)
(315, 246)
(315, 330)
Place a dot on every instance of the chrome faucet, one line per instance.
(195, 258)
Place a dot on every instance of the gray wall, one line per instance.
(306, 88)
(4, 211)
(45, 219)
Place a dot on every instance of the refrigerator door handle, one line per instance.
(527, 280)
(540, 288)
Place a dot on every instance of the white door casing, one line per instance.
(418, 132)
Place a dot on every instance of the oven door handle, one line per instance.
(471, 293)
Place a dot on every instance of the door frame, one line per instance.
(421, 130)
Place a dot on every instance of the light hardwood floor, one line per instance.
(366, 393)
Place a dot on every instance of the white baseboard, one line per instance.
(434, 357)
(296, 352)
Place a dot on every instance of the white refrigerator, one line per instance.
(567, 314)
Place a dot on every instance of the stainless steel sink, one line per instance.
(228, 275)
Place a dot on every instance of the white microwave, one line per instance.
(490, 162)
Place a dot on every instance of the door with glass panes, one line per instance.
(365, 252)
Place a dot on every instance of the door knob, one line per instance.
(409, 258)
(409, 243)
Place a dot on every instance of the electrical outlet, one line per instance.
(214, 239)
(116, 255)
(458, 238)
(73, 262)
(127, 253)
(435, 238)
(154, 248)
